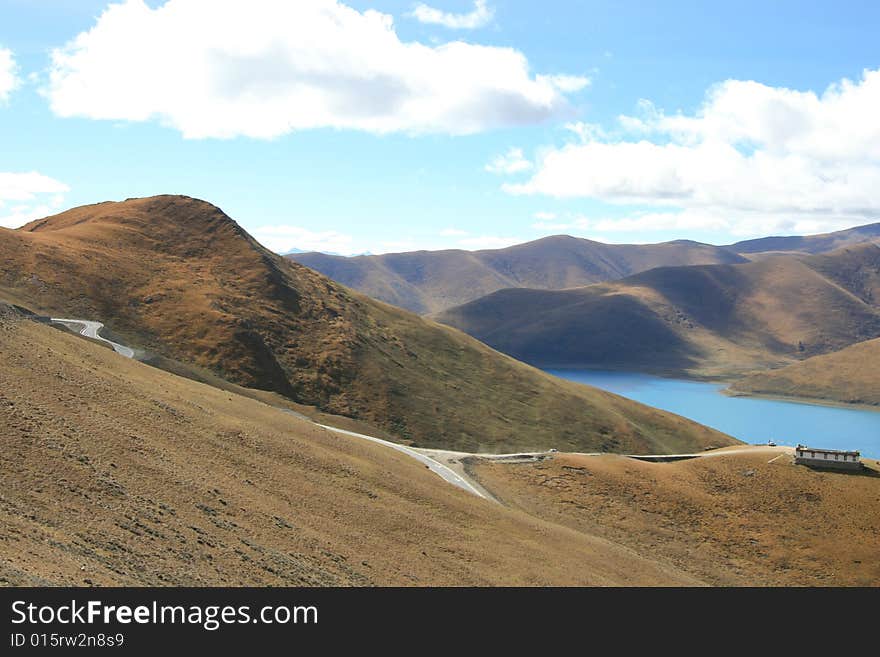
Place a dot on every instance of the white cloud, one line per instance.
(586, 131)
(480, 16)
(545, 216)
(453, 232)
(264, 68)
(9, 79)
(28, 196)
(753, 158)
(284, 238)
(740, 224)
(567, 83)
(513, 161)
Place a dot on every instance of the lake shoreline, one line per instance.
(806, 401)
(679, 375)
(752, 418)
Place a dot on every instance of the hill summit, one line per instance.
(177, 277)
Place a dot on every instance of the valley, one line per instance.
(285, 430)
(214, 488)
(117, 473)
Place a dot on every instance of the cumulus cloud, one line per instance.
(9, 79)
(513, 161)
(28, 196)
(264, 68)
(753, 159)
(480, 16)
(566, 83)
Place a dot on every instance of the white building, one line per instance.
(827, 458)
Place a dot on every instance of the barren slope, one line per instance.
(712, 320)
(749, 519)
(116, 473)
(178, 277)
(824, 243)
(431, 281)
(851, 375)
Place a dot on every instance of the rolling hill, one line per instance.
(813, 244)
(117, 473)
(175, 276)
(717, 320)
(851, 375)
(432, 281)
(744, 516)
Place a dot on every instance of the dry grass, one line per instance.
(823, 243)
(851, 375)
(116, 473)
(707, 321)
(432, 281)
(729, 520)
(177, 277)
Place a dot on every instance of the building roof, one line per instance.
(804, 448)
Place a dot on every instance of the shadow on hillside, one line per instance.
(615, 331)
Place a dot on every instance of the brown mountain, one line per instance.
(746, 516)
(824, 243)
(713, 320)
(432, 281)
(116, 473)
(177, 277)
(851, 375)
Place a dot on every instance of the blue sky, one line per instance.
(729, 127)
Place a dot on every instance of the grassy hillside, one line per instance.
(706, 320)
(744, 519)
(179, 278)
(431, 281)
(814, 244)
(851, 375)
(116, 473)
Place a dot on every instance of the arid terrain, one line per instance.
(851, 376)
(115, 472)
(824, 243)
(178, 279)
(186, 469)
(748, 518)
(432, 281)
(707, 321)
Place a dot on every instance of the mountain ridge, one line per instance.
(706, 320)
(431, 281)
(812, 244)
(177, 277)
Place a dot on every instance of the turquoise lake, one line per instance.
(752, 420)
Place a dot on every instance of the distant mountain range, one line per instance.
(824, 243)
(710, 320)
(432, 281)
